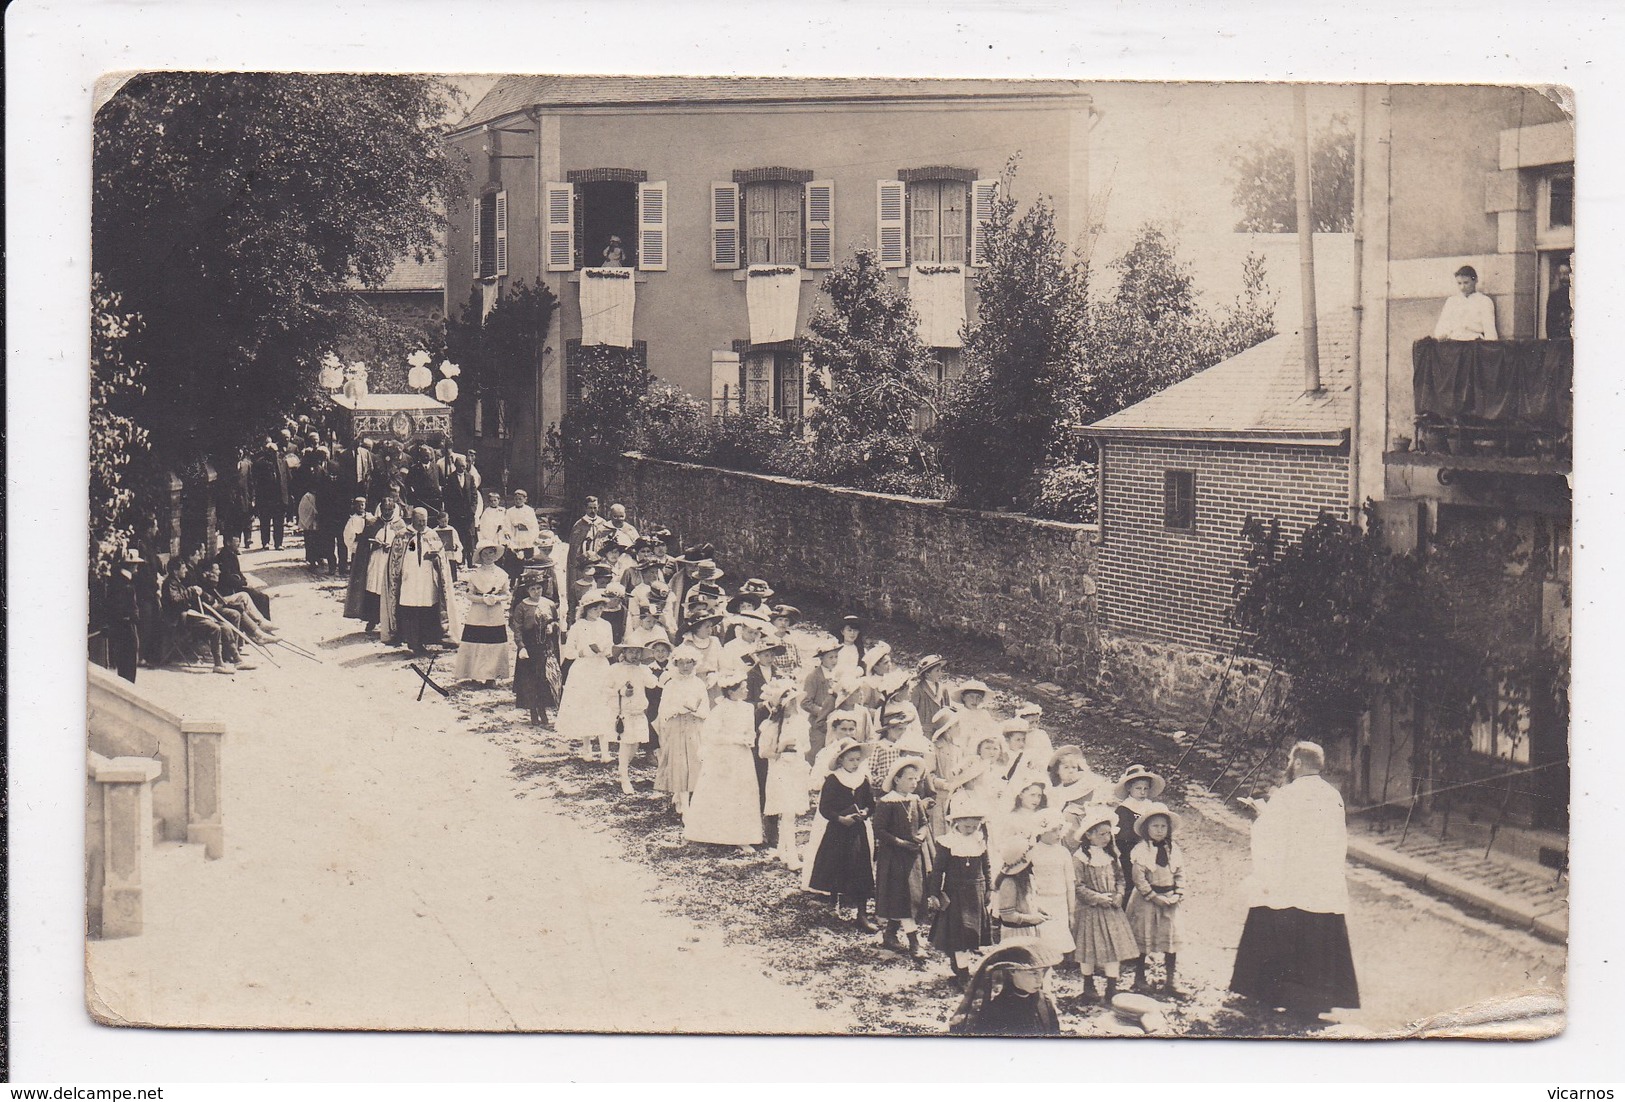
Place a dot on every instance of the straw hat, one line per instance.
(828, 646)
(1138, 772)
(727, 679)
(971, 686)
(845, 715)
(874, 656)
(843, 746)
(1094, 815)
(930, 662)
(965, 805)
(890, 782)
(755, 587)
(1015, 727)
(1151, 812)
(1015, 850)
(488, 546)
(1029, 711)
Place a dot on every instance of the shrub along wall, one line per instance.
(1024, 582)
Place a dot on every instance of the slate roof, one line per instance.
(1255, 395)
(515, 93)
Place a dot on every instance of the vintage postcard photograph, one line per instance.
(825, 556)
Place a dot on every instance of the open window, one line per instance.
(607, 213)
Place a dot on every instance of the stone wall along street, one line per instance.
(1025, 582)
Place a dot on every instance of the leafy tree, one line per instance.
(229, 211)
(1151, 333)
(116, 441)
(1264, 186)
(1007, 415)
(604, 422)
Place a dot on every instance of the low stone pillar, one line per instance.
(204, 823)
(126, 791)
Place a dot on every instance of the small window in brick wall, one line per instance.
(1179, 499)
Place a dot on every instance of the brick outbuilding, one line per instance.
(1179, 474)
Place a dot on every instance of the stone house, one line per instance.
(730, 198)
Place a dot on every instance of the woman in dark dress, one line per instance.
(1007, 998)
(843, 867)
(535, 623)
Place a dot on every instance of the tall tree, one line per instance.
(231, 208)
(1151, 332)
(1265, 182)
(116, 442)
(871, 372)
(1023, 357)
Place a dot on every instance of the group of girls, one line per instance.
(935, 821)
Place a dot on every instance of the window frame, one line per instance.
(1178, 488)
(775, 239)
(913, 190)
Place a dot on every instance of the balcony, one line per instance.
(1495, 407)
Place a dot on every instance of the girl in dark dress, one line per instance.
(959, 889)
(535, 619)
(902, 855)
(843, 867)
(1007, 998)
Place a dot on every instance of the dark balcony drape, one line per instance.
(1499, 382)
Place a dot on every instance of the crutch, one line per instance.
(231, 627)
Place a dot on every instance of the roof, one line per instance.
(410, 274)
(1254, 395)
(382, 402)
(515, 93)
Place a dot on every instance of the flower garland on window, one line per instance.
(939, 269)
(607, 273)
(778, 270)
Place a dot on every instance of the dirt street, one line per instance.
(393, 863)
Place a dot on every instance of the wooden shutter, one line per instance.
(808, 401)
(889, 223)
(561, 227)
(479, 416)
(982, 194)
(652, 227)
(502, 233)
(724, 226)
(479, 211)
(820, 204)
(724, 381)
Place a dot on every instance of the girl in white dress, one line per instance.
(782, 742)
(632, 680)
(1054, 884)
(707, 648)
(684, 703)
(725, 809)
(587, 710)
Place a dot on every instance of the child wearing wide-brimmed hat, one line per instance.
(781, 741)
(1157, 869)
(1020, 916)
(842, 866)
(588, 706)
(685, 701)
(1054, 883)
(633, 680)
(1137, 789)
(959, 887)
(1101, 931)
(903, 852)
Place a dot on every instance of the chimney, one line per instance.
(1306, 239)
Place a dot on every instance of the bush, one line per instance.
(673, 424)
(745, 440)
(1068, 493)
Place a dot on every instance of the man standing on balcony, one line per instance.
(1469, 316)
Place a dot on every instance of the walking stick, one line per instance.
(428, 681)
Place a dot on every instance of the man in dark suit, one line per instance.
(270, 495)
(461, 497)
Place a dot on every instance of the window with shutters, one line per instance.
(772, 379)
(491, 236)
(938, 221)
(607, 224)
(1179, 500)
(773, 218)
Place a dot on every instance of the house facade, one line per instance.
(1446, 437)
(730, 198)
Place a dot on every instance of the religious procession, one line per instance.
(950, 831)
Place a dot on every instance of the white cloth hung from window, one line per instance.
(489, 292)
(938, 291)
(772, 299)
(606, 306)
